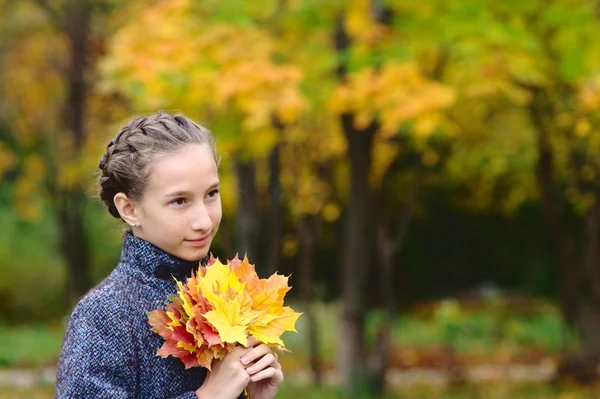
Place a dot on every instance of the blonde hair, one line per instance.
(126, 162)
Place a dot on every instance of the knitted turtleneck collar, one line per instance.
(142, 256)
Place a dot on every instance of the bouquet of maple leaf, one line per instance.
(218, 308)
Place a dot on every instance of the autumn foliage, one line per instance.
(220, 307)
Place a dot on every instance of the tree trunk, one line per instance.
(551, 202)
(308, 238)
(579, 283)
(74, 243)
(71, 205)
(275, 214)
(583, 367)
(355, 262)
(248, 218)
(378, 361)
(391, 239)
(589, 319)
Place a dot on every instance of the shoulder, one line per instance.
(99, 353)
(99, 324)
(109, 297)
(109, 311)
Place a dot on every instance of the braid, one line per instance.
(110, 182)
(125, 163)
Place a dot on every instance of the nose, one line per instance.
(201, 220)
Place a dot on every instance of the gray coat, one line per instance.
(109, 350)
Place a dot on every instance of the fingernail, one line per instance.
(244, 360)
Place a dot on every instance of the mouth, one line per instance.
(200, 241)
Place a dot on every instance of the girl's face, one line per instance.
(180, 209)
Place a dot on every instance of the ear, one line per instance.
(126, 208)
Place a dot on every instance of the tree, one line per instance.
(238, 88)
(324, 70)
(47, 81)
(524, 76)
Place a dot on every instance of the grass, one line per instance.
(290, 390)
(478, 333)
(493, 329)
(475, 332)
(29, 346)
(27, 393)
(488, 391)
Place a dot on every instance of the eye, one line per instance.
(213, 193)
(179, 201)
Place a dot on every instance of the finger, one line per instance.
(276, 365)
(264, 362)
(238, 352)
(252, 341)
(255, 353)
(275, 374)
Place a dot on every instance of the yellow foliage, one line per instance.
(384, 154)
(394, 95)
(582, 128)
(8, 159)
(172, 57)
(32, 95)
(331, 212)
(289, 246)
(219, 307)
(229, 186)
(26, 195)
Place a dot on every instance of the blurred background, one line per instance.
(426, 170)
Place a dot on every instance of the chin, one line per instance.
(192, 255)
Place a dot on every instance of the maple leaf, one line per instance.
(218, 308)
(215, 275)
(205, 358)
(210, 335)
(158, 321)
(270, 332)
(227, 319)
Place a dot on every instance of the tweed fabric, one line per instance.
(109, 350)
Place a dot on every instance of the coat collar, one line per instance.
(141, 257)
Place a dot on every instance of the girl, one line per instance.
(160, 176)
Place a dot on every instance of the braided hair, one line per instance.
(125, 165)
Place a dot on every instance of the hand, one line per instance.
(263, 369)
(228, 377)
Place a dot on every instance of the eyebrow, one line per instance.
(184, 193)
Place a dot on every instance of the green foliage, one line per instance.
(32, 275)
(32, 272)
(30, 346)
(493, 329)
(475, 70)
(27, 393)
(475, 332)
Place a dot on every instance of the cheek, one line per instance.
(216, 213)
(164, 216)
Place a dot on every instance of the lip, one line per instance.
(199, 242)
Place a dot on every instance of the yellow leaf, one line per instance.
(218, 308)
(216, 273)
(188, 347)
(227, 319)
(284, 320)
(174, 320)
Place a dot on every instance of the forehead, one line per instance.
(191, 167)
